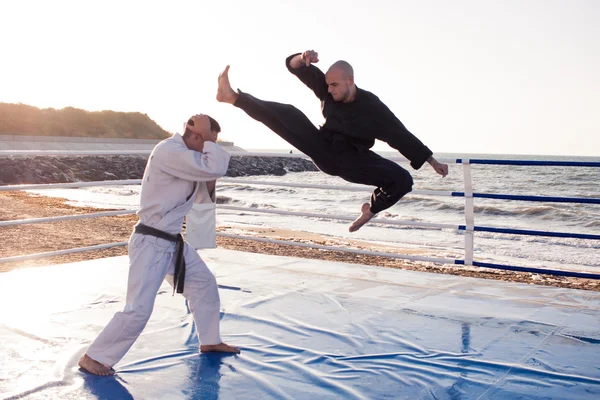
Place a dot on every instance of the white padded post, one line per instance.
(469, 212)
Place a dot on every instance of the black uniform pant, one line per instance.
(333, 157)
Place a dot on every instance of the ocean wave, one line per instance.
(261, 189)
(536, 210)
(592, 224)
(399, 227)
(261, 206)
(558, 212)
(393, 216)
(546, 241)
(583, 176)
(477, 209)
(226, 200)
(115, 190)
(586, 192)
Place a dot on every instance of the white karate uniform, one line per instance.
(168, 192)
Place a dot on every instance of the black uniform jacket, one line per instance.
(360, 122)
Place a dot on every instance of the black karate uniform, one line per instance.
(341, 146)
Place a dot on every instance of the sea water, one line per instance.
(548, 252)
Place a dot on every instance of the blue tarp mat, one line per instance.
(308, 329)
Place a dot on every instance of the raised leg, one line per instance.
(285, 120)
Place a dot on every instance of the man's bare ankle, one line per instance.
(365, 216)
(227, 95)
(94, 367)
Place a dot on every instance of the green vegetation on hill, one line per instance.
(21, 119)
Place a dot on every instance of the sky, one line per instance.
(465, 76)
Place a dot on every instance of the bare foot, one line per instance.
(225, 93)
(221, 348)
(94, 367)
(363, 219)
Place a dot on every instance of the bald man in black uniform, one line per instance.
(354, 118)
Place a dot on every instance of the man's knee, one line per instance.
(399, 184)
(202, 280)
(211, 281)
(394, 189)
(142, 312)
(203, 293)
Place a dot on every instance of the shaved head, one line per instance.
(344, 66)
(340, 82)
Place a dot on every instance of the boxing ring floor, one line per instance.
(308, 329)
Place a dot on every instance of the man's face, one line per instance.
(198, 144)
(337, 84)
(197, 141)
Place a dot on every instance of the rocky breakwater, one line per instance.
(60, 169)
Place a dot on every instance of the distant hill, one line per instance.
(22, 119)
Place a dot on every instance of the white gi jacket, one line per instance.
(169, 190)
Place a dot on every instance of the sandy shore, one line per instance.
(37, 238)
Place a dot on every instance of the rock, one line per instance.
(59, 169)
(8, 175)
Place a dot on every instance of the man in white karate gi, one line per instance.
(157, 250)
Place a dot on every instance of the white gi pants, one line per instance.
(151, 260)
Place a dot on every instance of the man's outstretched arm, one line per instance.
(392, 131)
(439, 167)
(300, 64)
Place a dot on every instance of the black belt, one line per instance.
(179, 276)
